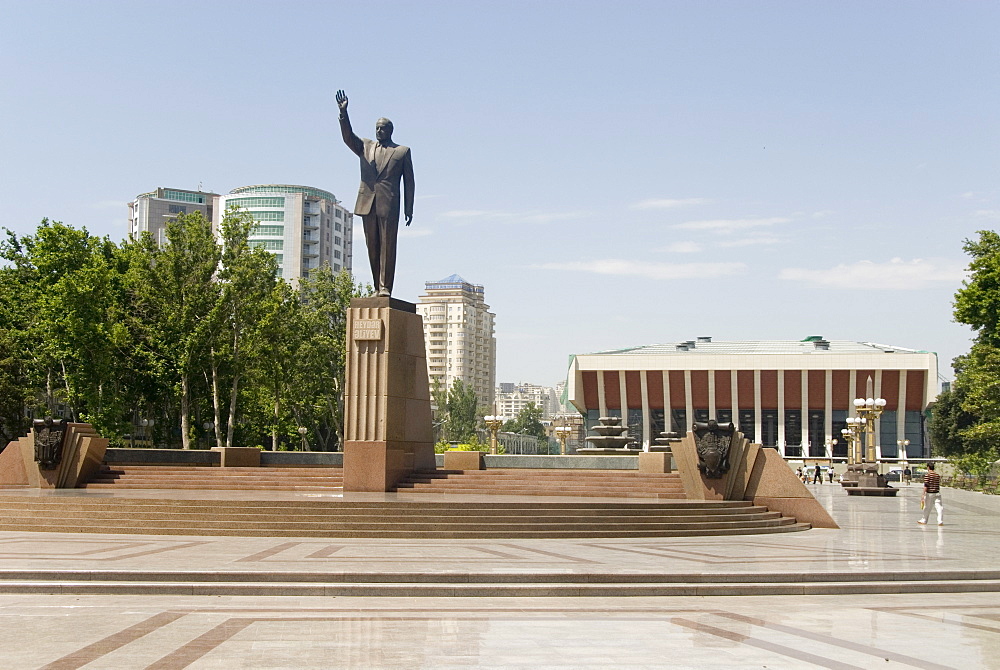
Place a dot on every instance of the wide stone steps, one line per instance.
(585, 483)
(491, 584)
(395, 519)
(215, 478)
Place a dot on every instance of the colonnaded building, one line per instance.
(791, 395)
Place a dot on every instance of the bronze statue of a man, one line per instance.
(383, 164)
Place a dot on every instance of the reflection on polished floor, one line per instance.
(139, 601)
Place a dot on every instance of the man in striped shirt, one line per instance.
(932, 495)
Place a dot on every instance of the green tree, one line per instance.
(461, 412)
(948, 422)
(175, 294)
(527, 422)
(967, 421)
(316, 396)
(246, 286)
(977, 303)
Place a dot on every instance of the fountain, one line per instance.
(610, 438)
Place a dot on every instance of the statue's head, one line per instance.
(383, 130)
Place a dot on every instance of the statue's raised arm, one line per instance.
(350, 139)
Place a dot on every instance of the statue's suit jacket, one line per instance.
(380, 180)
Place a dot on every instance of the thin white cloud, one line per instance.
(646, 270)
(731, 225)
(681, 248)
(894, 275)
(109, 204)
(536, 217)
(987, 213)
(750, 241)
(466, 213)
(968, 194)
(822, 213)
(415, 232)
(667, 203)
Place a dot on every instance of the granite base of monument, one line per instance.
(80, 455)
(754, 473)
(387, 406)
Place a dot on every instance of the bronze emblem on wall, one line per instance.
(49, 436)
(712, 441)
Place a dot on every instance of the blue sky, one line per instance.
(614, 174)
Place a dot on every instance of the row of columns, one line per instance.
(647, 436)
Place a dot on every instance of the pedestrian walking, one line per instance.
(818, 475)
(932, 496)
(907, 475)
(829, 473)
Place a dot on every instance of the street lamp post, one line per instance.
(562, 432)
(855, 427)
(493, 423)
(869, 410)
(209, 426)
(830, 444)
(902, 456)
(302, 431)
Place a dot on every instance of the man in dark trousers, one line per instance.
(383, 164)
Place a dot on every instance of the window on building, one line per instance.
(272, 245)
(679, 422)
(793, 432)
(839, 423)
(177, 209)
(747, 426)
(337, 240)
(817, 438)
(769, 428)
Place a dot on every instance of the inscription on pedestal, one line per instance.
(367, 329)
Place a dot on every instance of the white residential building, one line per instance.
(149, 212)
(458, 336)
(509, 403)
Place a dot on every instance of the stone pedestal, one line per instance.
(387, 405)
(655, 462)
(238, 457)
(464, 460)
(82, 454)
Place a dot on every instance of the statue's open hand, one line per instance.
(342, 101)
(409, 218)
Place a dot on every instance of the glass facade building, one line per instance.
(304, 227)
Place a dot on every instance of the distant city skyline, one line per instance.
(614, 176)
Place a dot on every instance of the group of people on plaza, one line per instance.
(931, 494)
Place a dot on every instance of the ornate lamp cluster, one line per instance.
(562, 432)
(493, 423)
(869, 410)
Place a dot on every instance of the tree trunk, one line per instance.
(215, 401)
(277, 416)
(185, 412)
(232, 411)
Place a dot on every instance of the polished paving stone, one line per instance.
(877, 535)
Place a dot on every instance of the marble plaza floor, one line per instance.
(126, 628)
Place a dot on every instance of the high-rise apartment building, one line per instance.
(149, 212)
(458, 335)
(303, 227)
